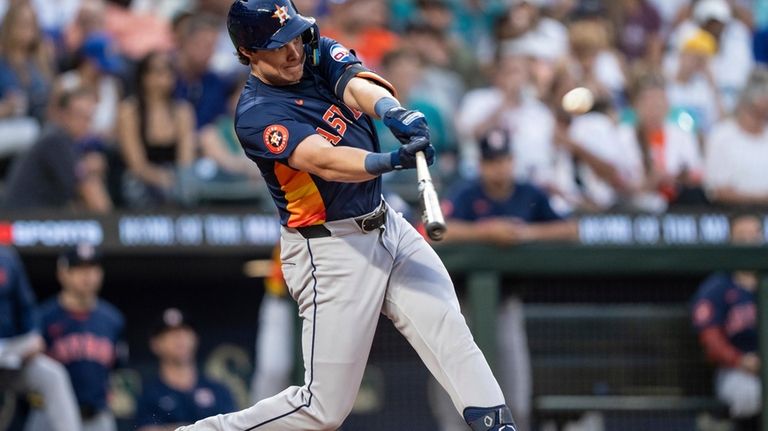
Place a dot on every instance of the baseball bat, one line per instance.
(431, 214)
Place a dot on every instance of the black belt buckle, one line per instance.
(373, 221)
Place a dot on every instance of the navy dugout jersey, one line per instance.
(86, 344)
(527, 202)
(722, 303)
(160, 404)
(271, 121)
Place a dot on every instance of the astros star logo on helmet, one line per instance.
(281, 13)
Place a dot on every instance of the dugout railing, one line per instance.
(485, 266)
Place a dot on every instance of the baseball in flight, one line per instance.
(578, 101)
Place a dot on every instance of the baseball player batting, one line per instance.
(305, 118)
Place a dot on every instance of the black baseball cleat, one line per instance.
(497, 418)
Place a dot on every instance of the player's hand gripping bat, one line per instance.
(431, 214)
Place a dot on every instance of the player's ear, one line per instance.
(245, 55)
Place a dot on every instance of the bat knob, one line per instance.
(435, 230)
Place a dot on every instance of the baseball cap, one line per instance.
(80, 255)
(495, 144)
(170, 318)
(700, 42)
(100, 48)
(706, 10)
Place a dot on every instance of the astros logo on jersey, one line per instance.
(276, 138)
(281, 13)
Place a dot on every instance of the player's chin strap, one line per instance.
(497, 418)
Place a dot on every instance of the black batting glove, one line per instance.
(406, 124)
(405, 156)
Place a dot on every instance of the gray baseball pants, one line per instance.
(341, 284)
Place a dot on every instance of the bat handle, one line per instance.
(422, 169)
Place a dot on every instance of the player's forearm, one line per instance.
(338, 164)
(554, 231)
(461, 231)
(363, 94)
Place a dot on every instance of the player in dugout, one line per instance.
(305, 118)
(84, 333)
(725, 317)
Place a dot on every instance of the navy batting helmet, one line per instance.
(267, 24)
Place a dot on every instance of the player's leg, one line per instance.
(422, 304)
(48, 378)
(274, 347)
(516, 374)
(740, 390)
(339, 284)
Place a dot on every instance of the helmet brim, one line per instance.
(292, 29)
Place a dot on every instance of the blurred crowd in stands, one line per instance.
(108, 104)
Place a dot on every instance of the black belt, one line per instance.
(367, 223)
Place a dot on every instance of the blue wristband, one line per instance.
(378, 163)
(385, 104)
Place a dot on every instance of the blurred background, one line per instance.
(626, 300)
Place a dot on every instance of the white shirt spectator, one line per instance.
(736, 159)
(680, 152)
(731, 65)
(697, 98)
(598, 134)
(531, 126)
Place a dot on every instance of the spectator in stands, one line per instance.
(725, 315)
(733, 61)
(592, 169)
(179, 394)
(197, 83)
(57, 171)
(90, 19)
(25, 75)
(525, 23)
(78, 317)
(23, 366)
(663, 155)
(96, 68)
(638, 31)
(222, 62)
(441, 46)
(692, 88)
(594, 63)
(156, 132)
(736, 152)
(224, 172)
(508, 104)
(361, 25)
(499, 210)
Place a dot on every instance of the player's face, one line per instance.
(496, 173)
(176, 345)
(83, 281)
(282, 66)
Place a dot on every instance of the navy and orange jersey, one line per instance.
(86, 344)
(271, 121)
(724, 304)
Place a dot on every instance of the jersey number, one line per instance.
(336, 119)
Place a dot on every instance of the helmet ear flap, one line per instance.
(311, 36)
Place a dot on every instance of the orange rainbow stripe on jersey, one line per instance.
(305, 205)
